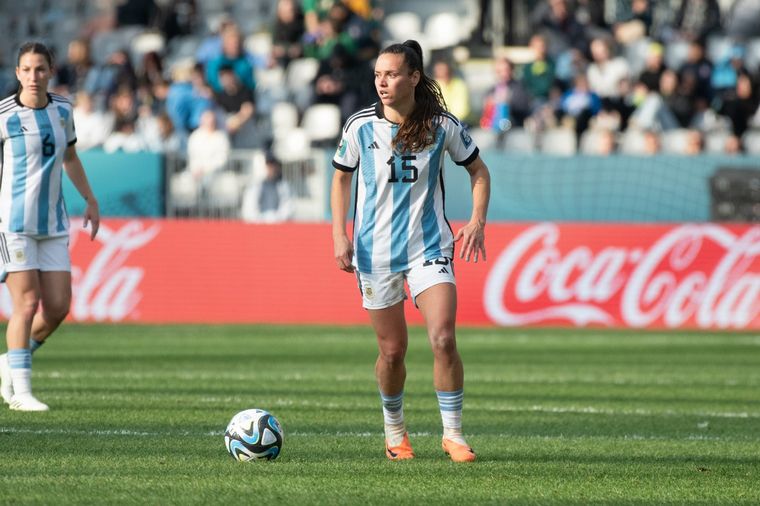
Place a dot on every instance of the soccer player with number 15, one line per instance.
(401, 232)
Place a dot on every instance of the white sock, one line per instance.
(22, 381)
(450, 404)
(393, 417)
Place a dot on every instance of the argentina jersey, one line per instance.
(399, 219)
(33, 145)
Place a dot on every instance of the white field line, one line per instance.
(475, 378)
(139, 434)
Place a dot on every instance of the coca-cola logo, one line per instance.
(108, 287)
(673, 281)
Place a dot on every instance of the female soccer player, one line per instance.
(401, 232)
(37, 139)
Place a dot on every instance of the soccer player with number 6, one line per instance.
(37, 140)
(401, 232)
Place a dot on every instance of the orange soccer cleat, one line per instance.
(457, 452)
(401, 452)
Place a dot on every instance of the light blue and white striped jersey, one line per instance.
(399, 220)
(33, 143)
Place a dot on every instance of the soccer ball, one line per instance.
(253, 434)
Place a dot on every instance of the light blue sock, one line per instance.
(393, 416)
(20, 359)
(34, 344)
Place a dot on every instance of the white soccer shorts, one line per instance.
(26, 253)
(380, 291)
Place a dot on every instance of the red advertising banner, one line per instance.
(617, 275)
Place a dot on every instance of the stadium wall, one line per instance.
(656, 276)
(126, 184)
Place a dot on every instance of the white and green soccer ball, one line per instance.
(253, 434)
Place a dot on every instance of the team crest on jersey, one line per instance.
(466, 139)
(19, 256)
(368, 292)
(342, 147)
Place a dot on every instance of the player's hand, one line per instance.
(473, 241)
(92, 217)
(344, 253)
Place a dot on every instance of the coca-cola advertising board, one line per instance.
(698, 276)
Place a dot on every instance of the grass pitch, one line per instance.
(556, 416)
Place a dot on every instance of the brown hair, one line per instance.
(35, 48)
(418, 132)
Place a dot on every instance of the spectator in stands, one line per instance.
(726, 72)
(124, 137)
(733, 145)
(234, 56)
(287, 33)
(208, 149)
(697, 72)
(72, 75)
(187, 98)
(695, 142)
(507, 103)
(103, 81)
(336, 82)
(605, 72)
(676, 98)
(740, 104)
(93, 126)
(539, 74)
(654, 66)
(635, 26)
(651, 143)
(554, 20)
(268, 200)
(239, 106)
(151, 70)
(453, 88)
(743, 20)
(159, 135)
(177, 17)
(322, 44)
(579, 104)
(123, 106)
(210, 47)
(696, 19)
(652, 112)
(136, 13)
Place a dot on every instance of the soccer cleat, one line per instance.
(6, 381)
(457, 452)
(27, 402)
(401, 452)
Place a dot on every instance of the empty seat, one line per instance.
(442, 30)
(559, 141)
(322, 122)
(519, 140)
(401, 26)
(292, 145)
(284, 117)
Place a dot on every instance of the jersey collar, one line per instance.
(18, 101)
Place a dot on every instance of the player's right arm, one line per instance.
(340, 197)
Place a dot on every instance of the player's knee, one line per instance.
(443, 342)
(57, 312)
(393, 356)
(28, 305)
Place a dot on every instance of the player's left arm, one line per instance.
(473, 233)
(74, 169)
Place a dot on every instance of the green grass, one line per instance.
(556, 416)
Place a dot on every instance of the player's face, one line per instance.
(34, 72)
(394, 81)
